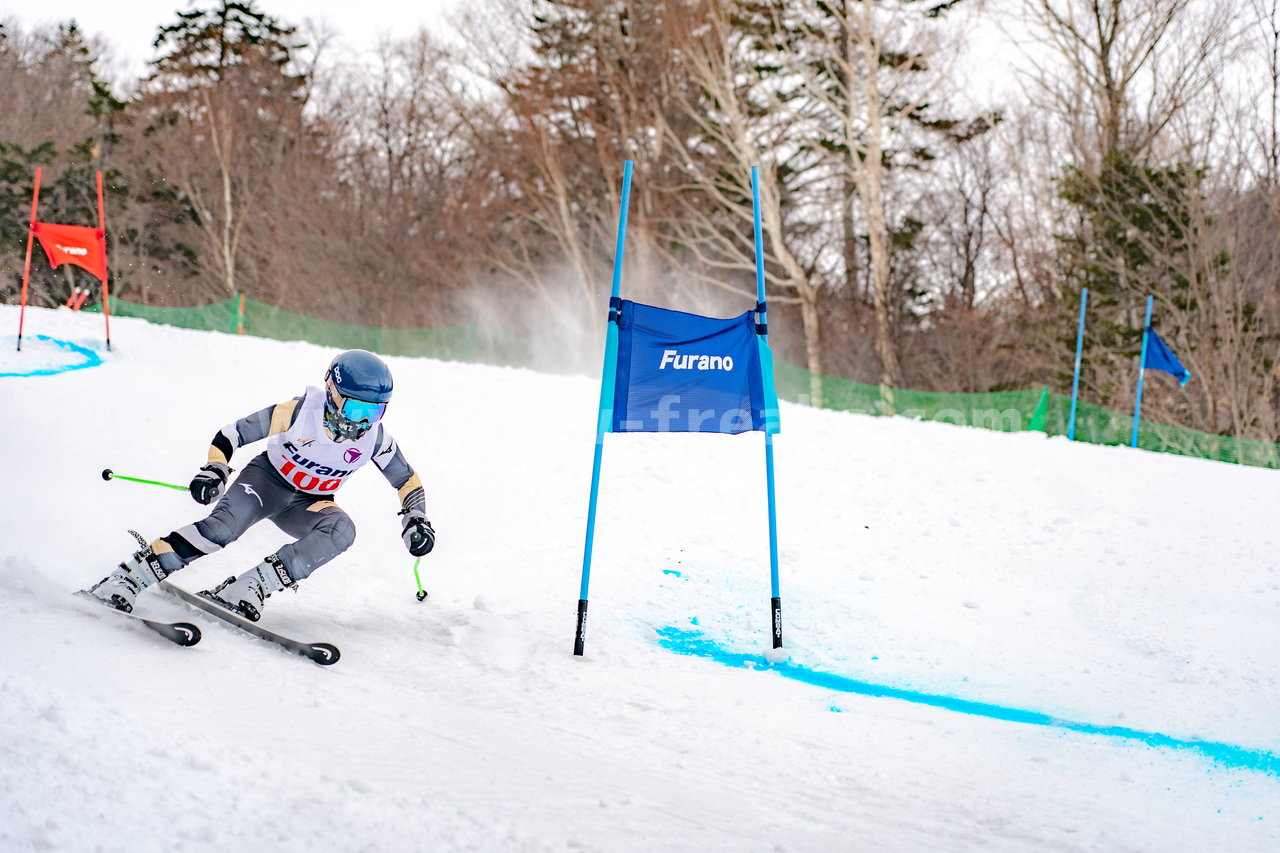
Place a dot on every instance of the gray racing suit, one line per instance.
(291, 483)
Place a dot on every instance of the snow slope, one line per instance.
(993, 642)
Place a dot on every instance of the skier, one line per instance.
(315, 442)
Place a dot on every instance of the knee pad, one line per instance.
(217, 527)
(340, 530)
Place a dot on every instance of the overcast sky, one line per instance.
(129, 26)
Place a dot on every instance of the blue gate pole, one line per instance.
(1075, 381)
(604, 415)
(775, 602)
(1142, 363)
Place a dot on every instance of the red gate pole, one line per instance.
(106, 291)
(26, 269)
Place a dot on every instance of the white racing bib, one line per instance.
(308, 459)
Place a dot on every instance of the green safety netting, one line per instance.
(1005, 411)
(1015, 411)
(268, 321)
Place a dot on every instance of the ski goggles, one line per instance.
(358, 410)
(353, 410)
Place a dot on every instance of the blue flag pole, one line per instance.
(604, 417)
(1142, 363)
(1075, 381)
(775, 602)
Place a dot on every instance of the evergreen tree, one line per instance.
(81, 131)
(224, 108)
(1130, 236)
(204, 45)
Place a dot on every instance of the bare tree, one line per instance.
(1118, 78)
(32, 63)
(1115, 73)
(877, 67)
(585, 85)
(402, 151)
(724, 131)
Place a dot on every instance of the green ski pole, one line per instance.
(422, 593)
(108, 474)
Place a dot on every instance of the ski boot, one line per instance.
(120, 588)
(246, 594)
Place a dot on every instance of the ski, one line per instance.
(180, 633)
(324, 654)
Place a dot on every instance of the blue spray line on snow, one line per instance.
(88, 356)
(697, 644)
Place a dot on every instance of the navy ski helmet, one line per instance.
(357, 389)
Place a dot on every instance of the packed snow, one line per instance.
(992, 642)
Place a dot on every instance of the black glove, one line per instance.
(417, 534)
(207, 485)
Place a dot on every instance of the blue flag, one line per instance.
(680, 372)
(1160, 357)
